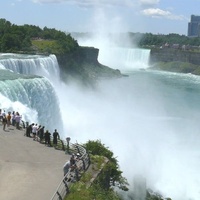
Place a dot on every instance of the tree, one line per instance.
(112, 173)
(15, 38)
(10, 43)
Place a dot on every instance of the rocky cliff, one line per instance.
(82, 65)
(171, 55)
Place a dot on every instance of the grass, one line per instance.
(46, 46)
(84, 190)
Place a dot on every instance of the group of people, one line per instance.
(71, 165)
(33, 130)
(38, 133)
(10, 118)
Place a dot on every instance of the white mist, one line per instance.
(134, 117)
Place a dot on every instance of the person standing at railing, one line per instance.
(8, 119)
(47, 137)
(3, 113)
(17, 120)
(41, 134)
(66, 167)
(13, 118)
(38, 132)
(4, 121)
(73, 162)
(56, 136)
(34, 131)
(29, 130)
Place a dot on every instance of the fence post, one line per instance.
(76, 173)
(60, 198)
(63, 146)
(66, 186)
(83, 164)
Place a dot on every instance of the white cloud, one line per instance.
(156, 12)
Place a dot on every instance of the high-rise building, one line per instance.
(194, 26)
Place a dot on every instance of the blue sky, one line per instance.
(145, 16)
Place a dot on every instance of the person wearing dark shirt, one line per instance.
(55, 137)
(47, 138)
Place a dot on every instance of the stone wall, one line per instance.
(174, 55)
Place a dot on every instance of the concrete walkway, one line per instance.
(28, 170)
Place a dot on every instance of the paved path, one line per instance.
(28, 170)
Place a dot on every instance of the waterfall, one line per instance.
(124, 58)
(21, 86)
(31, 64)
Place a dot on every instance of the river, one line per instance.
(149, 119)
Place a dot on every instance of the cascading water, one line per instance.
(31, 64)
(124, 58)
(148, 119)
(36, 97)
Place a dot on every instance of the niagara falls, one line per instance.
(148, 118)
(118, 82)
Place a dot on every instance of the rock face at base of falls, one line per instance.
(83, 65)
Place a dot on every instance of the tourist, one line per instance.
(55, 137)
(41, 134)
(29, 130)
(13, 118)
(4, 121)
(8, 119)
(73, 162)
(38, 132)
(17, 120)
(66, 167)
(34, 131)
(47, 138)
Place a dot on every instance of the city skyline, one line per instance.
(144, 16)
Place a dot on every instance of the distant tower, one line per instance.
(194, 26)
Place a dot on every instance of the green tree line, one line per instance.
(149, 39)
(30, 38)
(33, 39)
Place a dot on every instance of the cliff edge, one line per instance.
(82, 65)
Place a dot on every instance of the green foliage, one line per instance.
(31, 38)
(112, 172)
(149, 39)
(84, 190)
(98, 160)
(80, 191)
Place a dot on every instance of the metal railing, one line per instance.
(72, 176)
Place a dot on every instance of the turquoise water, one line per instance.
(151, 122)
(25, 87)
(150, 119)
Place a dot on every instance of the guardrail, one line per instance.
(72, 176)
(82, 163)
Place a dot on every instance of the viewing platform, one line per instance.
(29, 170)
